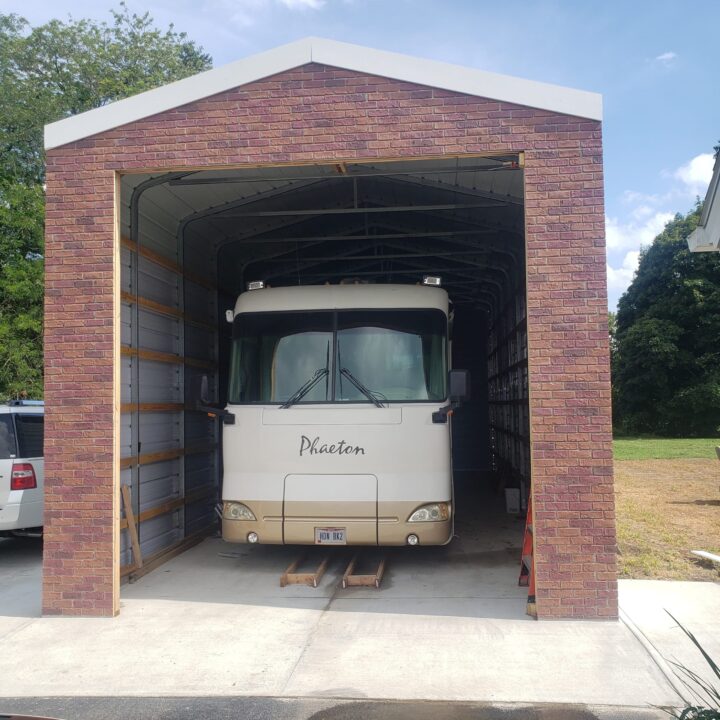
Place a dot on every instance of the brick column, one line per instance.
(80, 560)
(569, 377)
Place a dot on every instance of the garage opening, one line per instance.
(192, 241)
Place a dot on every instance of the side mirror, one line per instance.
(200, 400)
(459, 385)
(199, 393)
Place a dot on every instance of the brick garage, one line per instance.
(285, 114)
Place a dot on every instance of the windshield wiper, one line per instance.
(369, 394)
(301, 392)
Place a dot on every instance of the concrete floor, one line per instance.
(448, 624)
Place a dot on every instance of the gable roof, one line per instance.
(420, 71)
(706, 236)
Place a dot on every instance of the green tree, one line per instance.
(612, 331)
(47, 73)
(666, 364)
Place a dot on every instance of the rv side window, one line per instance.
(30, 435)
(8, 448)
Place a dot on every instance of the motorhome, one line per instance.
(337, 425)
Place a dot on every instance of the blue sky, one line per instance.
(655, 63)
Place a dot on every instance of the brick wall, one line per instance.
(317, 113)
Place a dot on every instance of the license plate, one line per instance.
(330, 536)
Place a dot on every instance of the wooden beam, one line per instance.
(158, 356)
(164, 310)
(162, 455)
(131, 526)
(152, 407)
(158, 407)
(151, 305)
(292, 577)
(171, 505)
(165, 262)
(149, 458)
(351, 579)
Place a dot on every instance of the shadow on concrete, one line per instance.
(20, 577)
(271, 708)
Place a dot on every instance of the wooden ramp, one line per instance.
(352, 578)
(291, 576)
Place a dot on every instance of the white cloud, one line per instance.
(620, 278)
(696, 174)
(666, 58)
(624, 240)
(645, 215)
(247, 13)
(632, 235)
(303, 4)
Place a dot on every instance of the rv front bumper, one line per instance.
(388, 528)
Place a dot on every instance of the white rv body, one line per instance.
(342, 472)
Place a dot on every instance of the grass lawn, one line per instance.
(665, 448)
(665, 508)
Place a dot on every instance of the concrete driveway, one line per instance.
(447, 625)
(20, 581)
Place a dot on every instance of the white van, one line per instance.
(337, 425)
(21, 467)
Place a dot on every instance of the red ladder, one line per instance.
(527, 563)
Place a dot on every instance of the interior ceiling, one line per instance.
(460, 218)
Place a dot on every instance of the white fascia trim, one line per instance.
(706, 236)
(394, 66)
(458, 78)
(700, 240)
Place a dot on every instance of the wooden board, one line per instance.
(350, 579)
(292, 577)
(152, 407)
(170, 358)
(167, 263)
(165, 310)
(161, 455)
(131, 526)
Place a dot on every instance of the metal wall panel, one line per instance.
(161, 431)
(158, 283)
(157, 332)
(200, 303)
(153, 389)
(160, 483)
(508, 394)
(161, 532)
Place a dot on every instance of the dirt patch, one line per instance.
(665, 508)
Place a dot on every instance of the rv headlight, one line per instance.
(434, 512)
(237, 511)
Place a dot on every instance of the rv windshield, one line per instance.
(393, 355)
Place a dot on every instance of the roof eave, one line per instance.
(706, 236)
(431, 73)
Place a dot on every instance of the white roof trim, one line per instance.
(327, 52)
(706, 236)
